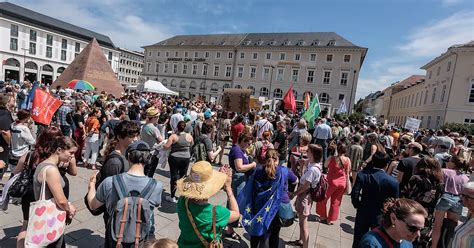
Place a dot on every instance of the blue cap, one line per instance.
(138, 146)
(207, 114)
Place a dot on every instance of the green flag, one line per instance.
(313, 112)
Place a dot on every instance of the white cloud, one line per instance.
(422, 45)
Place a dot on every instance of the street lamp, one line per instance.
(270, 88)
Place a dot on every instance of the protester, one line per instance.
(463, 236)
(21, 138)
(201, 222)
(322, 134)
(92, 139)
(299, 154)
(205, 138)
(79, 129)
(280, 142)
(406, 167)
(179, 158)
(401, 223)
(338, 175)
(355, 155)
(224, 129)
(7, 120)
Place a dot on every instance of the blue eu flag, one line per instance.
(259, 202)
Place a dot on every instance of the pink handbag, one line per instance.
(46, 223)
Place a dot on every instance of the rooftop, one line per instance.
(410, 81)
(21, 14)
(432, 62)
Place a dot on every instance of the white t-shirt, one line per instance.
(262, 126)
(312, 174)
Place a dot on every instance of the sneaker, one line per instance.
(171, 199)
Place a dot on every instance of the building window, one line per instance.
(253, 72)
(312, 57)
(282, 56)
(32, 48)
(344, 76)
(278, 93)
(341, 97)
(252, 89)
(280, 74)
(326, 77)
(206, 55)
(175, 68)
(204, 70)
(469, 121)
(148, 67)
(240, 72)
(14, 44)
(443, 93)
(185, 54)
(416, 99)
(14, 30)
(228, 71)
(310, 78)
(438, 120)
(149, 54)
(49, 40)
(449, 66)
(195, 67)
(167, 54)
(157, 67)
(254, 55)
(429, 74)
(49, 52)
(426, 97)
(185, 69)
(438, 70)
(428, 123)
(158, 54)
(218, 55)
(324, 98)
(176, 54)
(297, 56)
(63, 44)
(294, 75)
(347, 58)
(471, 92)
(433, 97)
(110, 56)
(32, 35)
(264, 91)
(269, 56)
(421, 97)
(166, 68)
(216, 71)
(230, 55)
(242, 55)
(329, 58)
(266, 72)
(196, 54)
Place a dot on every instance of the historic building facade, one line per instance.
(130, 66)
(37, 47)
(444, 95)
(266, 63)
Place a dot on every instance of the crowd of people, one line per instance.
(408, 187)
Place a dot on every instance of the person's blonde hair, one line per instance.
(161, 243)
(271, 163)
(301, 123)
(306, 138)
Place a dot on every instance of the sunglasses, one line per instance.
(411, 228)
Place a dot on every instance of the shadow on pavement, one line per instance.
(11, 232)
(163, 172)
(166, 206)
(350, 218)
(347, 228)
(87, 238)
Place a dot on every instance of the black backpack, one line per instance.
(24, 183)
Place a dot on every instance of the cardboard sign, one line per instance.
(255, 103)
(412, 124)
(236, 100)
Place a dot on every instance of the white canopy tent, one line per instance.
(157, 87)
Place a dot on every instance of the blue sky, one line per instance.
(402, 35)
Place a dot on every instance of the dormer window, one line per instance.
(332, 43)
(248, 42)
(315, 43)
(286, 43)
(202, 43)
(301, 43)
(181, 43)
(222, 43)
(260, 42)
(273, 42)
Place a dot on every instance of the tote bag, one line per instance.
(47, 222)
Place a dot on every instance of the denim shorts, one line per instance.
(450, 202)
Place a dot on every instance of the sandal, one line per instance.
(295, 243)
(233, 235)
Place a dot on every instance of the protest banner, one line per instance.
(44, 106)
(412, 124)
(236, 100)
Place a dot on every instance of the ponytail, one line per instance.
(271, 163)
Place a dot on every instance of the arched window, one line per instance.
(13, 62)
(238, 86)
(226, 86)
(192, 85)
(252, 89)
(182, 85)
(324, 98)
(308, 93)
(263, 91)
(203, 86)
(173, 83)
(60, 69)
(214, 87)
(31, 65)
(164, 82)
(47, 68)
(277, 93)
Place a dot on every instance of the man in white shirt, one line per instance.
(263, 125)
(175, 118)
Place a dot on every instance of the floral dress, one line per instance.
(425, 191)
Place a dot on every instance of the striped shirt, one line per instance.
(464, 235)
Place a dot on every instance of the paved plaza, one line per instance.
(88, 231)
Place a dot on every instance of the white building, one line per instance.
(130, 66)
(322, 63)
(35, 47)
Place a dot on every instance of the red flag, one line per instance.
(44, 106)
(289, 100)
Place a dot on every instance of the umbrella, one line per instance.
(80, 85)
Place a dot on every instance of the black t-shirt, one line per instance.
(5, 123)
(281, 138)
(407, 166)
(76, 118)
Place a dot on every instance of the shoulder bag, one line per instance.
(214, 243)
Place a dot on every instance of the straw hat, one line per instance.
(202, 182)
(152, 112)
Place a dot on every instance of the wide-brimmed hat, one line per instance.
(202, 182)
(152, 112)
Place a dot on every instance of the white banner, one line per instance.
(412, 124)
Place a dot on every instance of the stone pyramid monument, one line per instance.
(91, 65)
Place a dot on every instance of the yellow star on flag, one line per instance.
(267, 208)
(248, 209)
(246, 221)
(259, 219)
